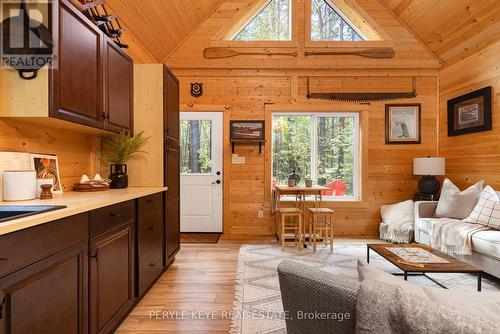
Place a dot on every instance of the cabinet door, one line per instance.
(172, 228)
(76, 79)
(171, 104)
(172, 170)
(112, 278)
(48, 297)
(118, 88)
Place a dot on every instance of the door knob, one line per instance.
(216, 182)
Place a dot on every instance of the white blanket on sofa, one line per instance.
(453, 236)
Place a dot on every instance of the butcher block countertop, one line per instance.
(75, 202)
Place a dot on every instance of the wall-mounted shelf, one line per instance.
(248, 141)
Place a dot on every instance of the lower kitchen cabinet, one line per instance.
(112, 277)
(50, 296)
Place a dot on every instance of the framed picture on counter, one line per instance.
(47, 167)
(470, 113)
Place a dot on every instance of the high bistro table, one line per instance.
(300, 193)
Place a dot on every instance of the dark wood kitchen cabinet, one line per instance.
(50, 296)
(112, 269)
(118, 88)
(172, 231)
(76, 79)
(171, 104)
(88, 87)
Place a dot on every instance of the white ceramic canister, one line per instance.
(19, 185)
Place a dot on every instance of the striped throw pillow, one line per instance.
(487, 210)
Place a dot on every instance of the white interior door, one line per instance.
(201, 171)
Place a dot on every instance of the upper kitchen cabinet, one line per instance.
(89, 85)
(171, 104)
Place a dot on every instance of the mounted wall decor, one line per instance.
(403, 124)
(362, 97)
(196, 89)
(247, 132)
(218, 53)
(470, 113)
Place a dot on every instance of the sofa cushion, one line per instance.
(454, 203)
(482, 304)
(487, 210)
(487, 243)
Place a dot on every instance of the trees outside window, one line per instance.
(322, 147)
(328, 25)
(272, 23)
(196, 146)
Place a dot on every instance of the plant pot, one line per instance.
(118, 176)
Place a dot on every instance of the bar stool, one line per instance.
(294, 224)
(321, 226)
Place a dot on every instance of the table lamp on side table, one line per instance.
(429, 168)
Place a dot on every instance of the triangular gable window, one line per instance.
(328, 24)
(271, 23)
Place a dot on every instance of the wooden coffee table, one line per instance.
(421, 269)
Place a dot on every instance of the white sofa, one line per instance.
(485, 244)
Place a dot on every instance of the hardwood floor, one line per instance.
(201, 279)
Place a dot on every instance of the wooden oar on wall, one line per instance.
(367, 52)
(218, 53)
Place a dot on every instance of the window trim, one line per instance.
(357, 161)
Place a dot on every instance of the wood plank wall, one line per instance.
(472, 157)
(77, 153)
(247, 187)
(242, 87)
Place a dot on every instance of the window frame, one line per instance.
(357, 163)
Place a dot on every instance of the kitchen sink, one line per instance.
(11, 212)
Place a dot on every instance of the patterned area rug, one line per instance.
(257, 306)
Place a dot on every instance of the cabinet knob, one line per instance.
(115, 214)
(151, 229)
(152, 264)
(150, 201)
(3, 258)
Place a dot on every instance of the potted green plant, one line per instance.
(117, 150)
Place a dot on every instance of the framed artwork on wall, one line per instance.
(247, 130)
(403, 124)
(47, 167)
(470, 113)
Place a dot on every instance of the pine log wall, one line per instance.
(472, 157)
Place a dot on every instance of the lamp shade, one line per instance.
(428, 166)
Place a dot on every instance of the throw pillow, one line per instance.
(397, 222)
(487, 210)
(454, 203)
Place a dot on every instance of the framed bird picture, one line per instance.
(403, 124)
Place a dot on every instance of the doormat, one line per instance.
(200, 238)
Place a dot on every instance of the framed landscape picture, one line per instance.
(470, 113)
(47, 167)
(402, 124)
(247, 130)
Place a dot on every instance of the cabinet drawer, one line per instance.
(150, 267)
(150, 230)
(111, 216)
(150, 203)
(25, 247)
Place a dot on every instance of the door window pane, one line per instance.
(196, 146)
(291, 147)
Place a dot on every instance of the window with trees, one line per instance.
(196, 146)
(322, 147)
(271, 23)
(328, 24)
